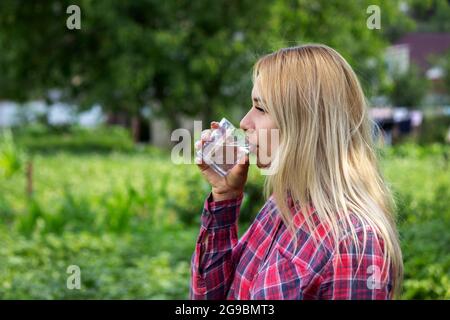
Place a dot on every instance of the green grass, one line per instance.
(130, 221)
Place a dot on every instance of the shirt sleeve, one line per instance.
(212, 263)
(357, 276)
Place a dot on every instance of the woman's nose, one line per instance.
(246, 123)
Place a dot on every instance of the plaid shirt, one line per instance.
(263, 264)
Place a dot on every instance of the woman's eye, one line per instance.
(260, 109)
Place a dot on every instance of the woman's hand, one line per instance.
(230, 186)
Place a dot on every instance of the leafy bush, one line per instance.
(37, 138)
(11, 156)
(409, 88)
(420, 178)
(114, 267)
(425, 238)
(434, 129)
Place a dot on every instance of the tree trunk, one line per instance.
(135, 128)
(29, 177)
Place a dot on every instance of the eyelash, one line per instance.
(260, 109)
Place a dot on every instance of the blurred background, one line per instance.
(86, 114)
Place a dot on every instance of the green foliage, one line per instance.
(409, 88)
(303, 21)
(39, 138)
(425, 240)
(444, 63)
(175, 57)
(11, 156)
(137, 266)
(420, 178)
(431, 15)
(108, 214)
(434, 129)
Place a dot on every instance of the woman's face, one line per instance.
(261, 129)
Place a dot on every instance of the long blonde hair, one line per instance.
(326, 156)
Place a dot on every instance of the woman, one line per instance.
(327, 230)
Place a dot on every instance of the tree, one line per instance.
(172, 57)
(343, 26)
(431, 15)
(409, 88)
(184, 57)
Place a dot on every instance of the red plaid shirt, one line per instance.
(263, 264)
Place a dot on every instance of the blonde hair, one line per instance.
(326, 155)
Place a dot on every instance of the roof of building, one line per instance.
(422, 45)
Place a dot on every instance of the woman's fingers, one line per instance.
(214, 125)
(201, 164)
(205, 135)
(245, 160)
(242, 166)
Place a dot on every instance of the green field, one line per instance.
(130, 220)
